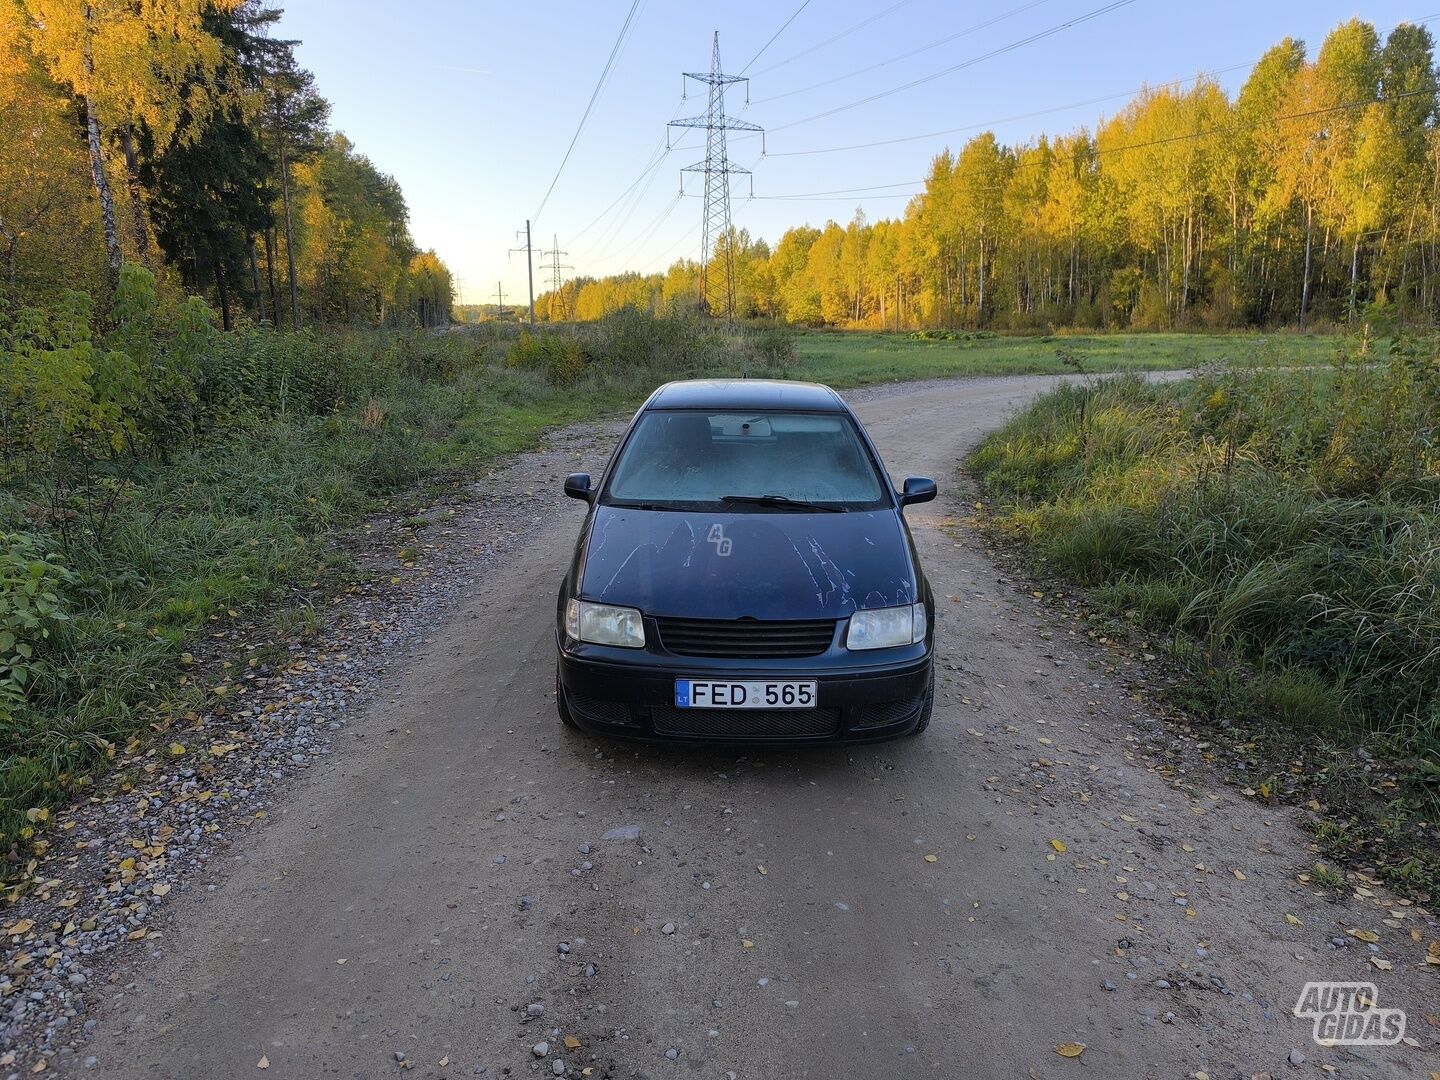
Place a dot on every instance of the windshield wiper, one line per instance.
(620, 505)
(783, 501)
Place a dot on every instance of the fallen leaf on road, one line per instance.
(176, 749)
(263, 1063)
(1293, 920)
(1059, 845)
(1070, 1050)
(342, 959)
(444, 1061)
(1368, 936)
(746, 943)
(160, 890)
(1127, 817)
(1383, 965)
(571, 1042)
(932, 858)
(762, 870)
(1238, 875)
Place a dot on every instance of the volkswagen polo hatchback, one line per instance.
(745, 573)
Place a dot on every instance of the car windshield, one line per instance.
(773, 462)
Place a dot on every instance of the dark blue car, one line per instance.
(745, 574)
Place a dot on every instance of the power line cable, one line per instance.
(992, 123)
(638, 244)
(1103, 151)
(656, 156)
(617, 228)
(594, 96)
(1052, 109)
(775, 35)
(831, 40)
(1115, 5)
(907, 55)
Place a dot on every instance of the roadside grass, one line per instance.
(236, 531)
(853, 358)
(1281, 531)
(213, 502)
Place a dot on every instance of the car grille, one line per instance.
(746, 638)
(745, 723)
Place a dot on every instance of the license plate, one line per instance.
(745, 694)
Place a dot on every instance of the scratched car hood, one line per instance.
(747, 565)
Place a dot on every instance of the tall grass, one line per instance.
(1284, 528)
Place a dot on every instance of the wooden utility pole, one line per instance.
(500, 295)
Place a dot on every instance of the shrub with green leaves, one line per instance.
(31, 607)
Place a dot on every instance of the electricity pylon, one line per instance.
(717, 168)
(556, 278)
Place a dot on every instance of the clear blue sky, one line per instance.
(471, 105)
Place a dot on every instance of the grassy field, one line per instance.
(1279, 531)
(846, 358)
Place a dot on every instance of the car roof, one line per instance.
(746, 394)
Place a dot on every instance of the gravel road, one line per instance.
(437, 895)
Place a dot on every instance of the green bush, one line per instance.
(31, 607)
(772, 346)
(558, 356)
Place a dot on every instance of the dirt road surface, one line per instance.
(955, 905)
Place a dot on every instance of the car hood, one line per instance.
(751, 565)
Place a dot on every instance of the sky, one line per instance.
(471, 106)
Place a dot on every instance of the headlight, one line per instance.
(604, 624)
(885, 628)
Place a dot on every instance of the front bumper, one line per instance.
(632, 696)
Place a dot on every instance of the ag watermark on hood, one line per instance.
(1346, 1014)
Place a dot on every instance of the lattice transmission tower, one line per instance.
(717, 167)
(556, 278)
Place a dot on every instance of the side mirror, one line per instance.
(577, 486)
(917, 489)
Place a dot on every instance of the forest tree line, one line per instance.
(1311, 195)
(186, 137)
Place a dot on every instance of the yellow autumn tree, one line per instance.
(127, 63)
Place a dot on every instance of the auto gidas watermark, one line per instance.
(1346, 1014)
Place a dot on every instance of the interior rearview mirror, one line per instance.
(918, 489)
(577, 486)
